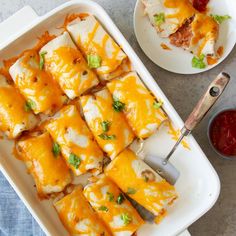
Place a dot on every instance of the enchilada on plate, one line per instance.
(141, 183)
(78, 217)
(106, 122)
(67, 66)
(44, 163)
(14, 115)
(77, 144)
(143, 113)
(113, 207)
(98, 46)
(39, 89)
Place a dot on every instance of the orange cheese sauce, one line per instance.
(220, 51)
(98, 108)
(70, 70)
(38, 86)
(204, 28)
(139, 110)
(211, 60)
(126, 170)
(165, 47)
(184, 10)
(104, 193)
(12, 112)
(78, 217)
(111, 54)
(72, 134)
(50, 173)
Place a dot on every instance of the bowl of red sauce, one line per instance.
(222, 133)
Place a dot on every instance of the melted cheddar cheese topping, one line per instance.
(50, 173)
(68, 67)
(71, 133)
(205, 32)
(97, 108)
(139, 110)
(184, 10)
(91, 38)
(78, 217)
(36, 85)
(13, 117)
(140, 182)
(103, 196)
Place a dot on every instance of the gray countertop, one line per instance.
(183, 92)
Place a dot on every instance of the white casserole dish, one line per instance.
(198, 186)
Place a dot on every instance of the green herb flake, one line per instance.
(105, 136)
(126, 218)
(74, 160)
(159, 18)
(120, 199)
(220, 19)
(29, 105)
(110, 196)
(42, 59)
(56, 149)
(131, 191)
(198, 62)
(157, 105)
(103, 208)
(94, 61)
(118, 106)
(105, 125)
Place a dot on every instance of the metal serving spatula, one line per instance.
(214, 91)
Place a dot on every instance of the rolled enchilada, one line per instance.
(39, 89)
(141, 109)
(78, 216)
(14, 115)
(45, 164)
(108, 126)
(141, 183)
(112, 206)
(67, 66)
(94, 41)
(80, 150)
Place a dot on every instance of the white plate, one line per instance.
(198, 186)
(177, 60)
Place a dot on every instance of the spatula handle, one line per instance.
(213, 92)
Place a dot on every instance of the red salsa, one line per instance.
(200, 5)
(223, 132)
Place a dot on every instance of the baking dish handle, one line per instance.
(16, 22)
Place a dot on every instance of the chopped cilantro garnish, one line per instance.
(199, 62)
(110, 196)
(120, 198)
(159, 18)
(56, 149)
(74, 160)
(29, 105)
(126, 218)
(157, 105)
(131, 191)
(94, 61)
(106, 136)
(105, 125)
(42, 59)
(118, 106)
(103, 208)
(219, 19)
